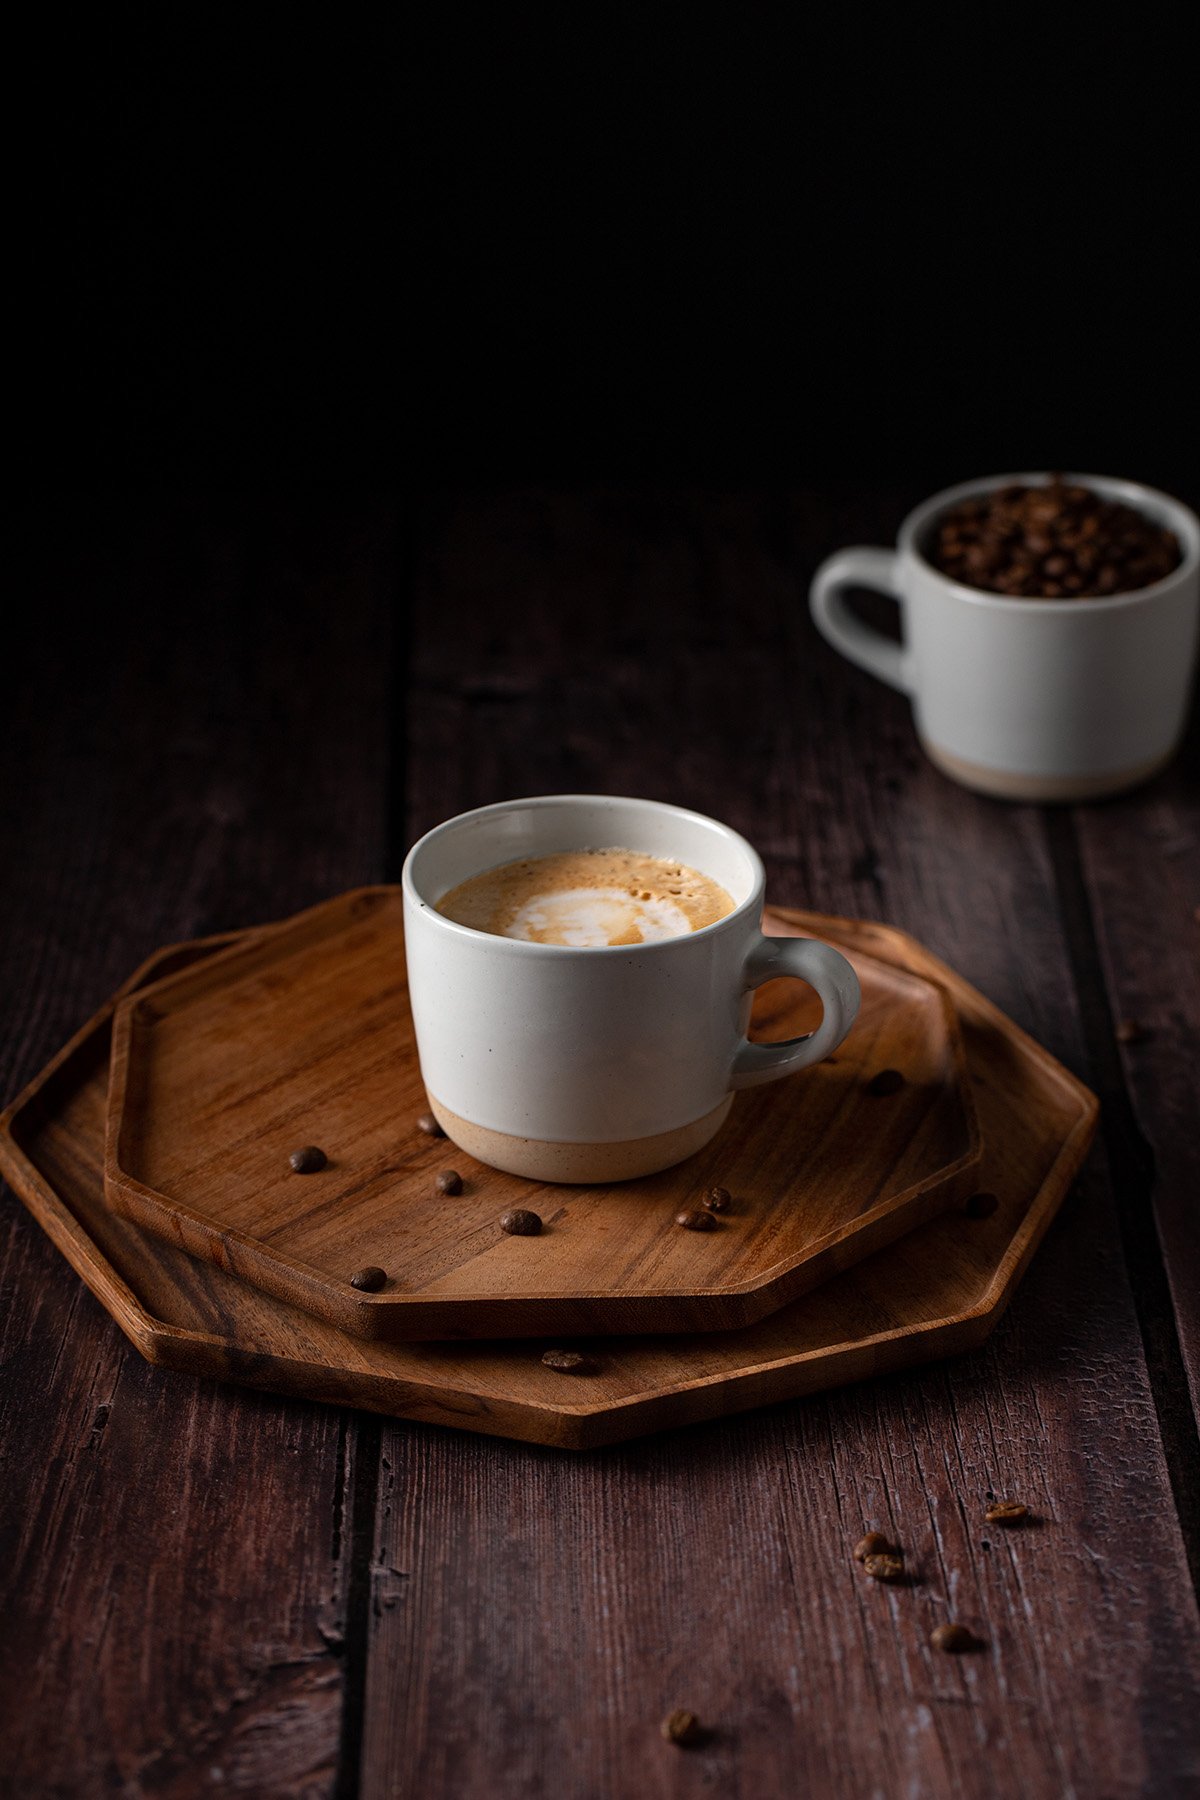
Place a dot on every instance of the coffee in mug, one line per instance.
(588, 899)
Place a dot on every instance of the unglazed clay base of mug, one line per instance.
(580, 1164)
(1051, 790)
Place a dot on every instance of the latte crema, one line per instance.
(588, 899)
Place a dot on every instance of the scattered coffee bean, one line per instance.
(953, 1638)
(369, 1279)
(981, 1206)
(874, 1544)
(1006, 1512)
(521, 1222)
(1060, 541)
(683, 1728)
(888, 1081)
(884, 1565)
(1130, 1031)
(429, 1125)
(449, 1182)
(718, 1199)
(308, 1160)
(571, 1362)
(695, 1220)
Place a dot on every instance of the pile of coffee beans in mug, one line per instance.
(1057, 542)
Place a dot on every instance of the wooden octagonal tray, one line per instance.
(937, 1291)
(303, 1035)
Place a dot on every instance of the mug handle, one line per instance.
(836, 985)
(859, 567)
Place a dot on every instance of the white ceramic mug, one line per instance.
(599, 1064)
(1053, 700)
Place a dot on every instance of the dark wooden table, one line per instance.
(226, 710)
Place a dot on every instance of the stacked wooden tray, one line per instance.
(884, 1204)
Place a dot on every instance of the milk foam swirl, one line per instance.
(584, 899)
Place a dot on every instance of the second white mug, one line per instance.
(1054, 700)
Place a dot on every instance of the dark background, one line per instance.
(650, 243)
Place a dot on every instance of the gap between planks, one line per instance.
(1131, 1162)
(364, 1431)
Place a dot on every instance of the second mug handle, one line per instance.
(859, 567)
(836, 985)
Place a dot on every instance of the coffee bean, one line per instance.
(874, 1544)
(369, 1279)
(571, 1362)
(429, 1125)
(1006, 1512)
(1130, 1031)
(521, 1222)
(888, 1081)
(884, 1565)
(952, 1638)
(683, 1728)
(450, 1182)
(1051, 541)
(718, 1199)
(981, 1206)
(695, 1220)
(308, 1160)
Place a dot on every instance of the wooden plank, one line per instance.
(1141, 860)
(533, 1617)
(200, 728)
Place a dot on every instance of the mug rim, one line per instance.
(753, 902)
(1182, 520)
